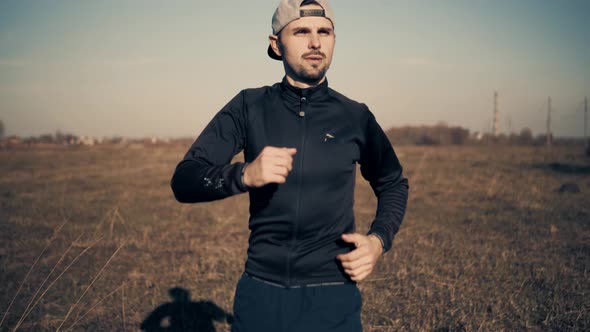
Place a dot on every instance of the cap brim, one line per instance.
(272, 54)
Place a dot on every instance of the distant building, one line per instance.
(86, 141)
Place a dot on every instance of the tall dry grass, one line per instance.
(489, 243)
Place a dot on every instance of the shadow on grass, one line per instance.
(565, 168)
(184, 315)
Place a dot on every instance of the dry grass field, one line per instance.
(93, 240)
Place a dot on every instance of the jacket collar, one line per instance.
(293, 92)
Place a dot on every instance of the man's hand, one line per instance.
(272, 165)
(359, 263)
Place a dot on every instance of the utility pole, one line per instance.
(586, 124)
(496, 118)
(549, 124)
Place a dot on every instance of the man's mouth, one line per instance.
(314, 58)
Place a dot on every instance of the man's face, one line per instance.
(307, 45)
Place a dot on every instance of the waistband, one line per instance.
(320, 284)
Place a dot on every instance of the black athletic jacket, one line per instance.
(296, 226)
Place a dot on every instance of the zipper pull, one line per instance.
(301, 114)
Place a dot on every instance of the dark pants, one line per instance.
(262, 307)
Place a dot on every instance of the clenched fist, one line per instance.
(272, 165)
(359, 263)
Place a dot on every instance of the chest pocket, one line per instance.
(330, 157)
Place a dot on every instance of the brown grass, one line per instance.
(488, 242)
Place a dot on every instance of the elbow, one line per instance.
(180, 191)
(180, 198)
(178, 195)
(397, 183)
(404, 183)
(398, 187)
(402, 187)
(183, 184)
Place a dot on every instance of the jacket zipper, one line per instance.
(301, 152)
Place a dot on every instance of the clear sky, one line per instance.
(164, 68)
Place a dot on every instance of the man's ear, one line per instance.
(274, 44)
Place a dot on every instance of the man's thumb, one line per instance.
(291, 151)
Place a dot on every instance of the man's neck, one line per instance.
(304, 85)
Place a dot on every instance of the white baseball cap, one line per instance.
(290, 10)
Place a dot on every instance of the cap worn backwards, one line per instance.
(290, 10)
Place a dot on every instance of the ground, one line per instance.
(495, 238)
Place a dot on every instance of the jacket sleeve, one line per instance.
(205, 173)
(381, 167)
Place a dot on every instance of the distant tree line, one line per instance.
(64, 139)
(439, 134)
(443, 134)
(57, 138)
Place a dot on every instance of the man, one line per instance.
(301, 142)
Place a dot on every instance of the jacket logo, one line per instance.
(328, 136)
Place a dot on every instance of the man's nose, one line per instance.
(314, 41)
